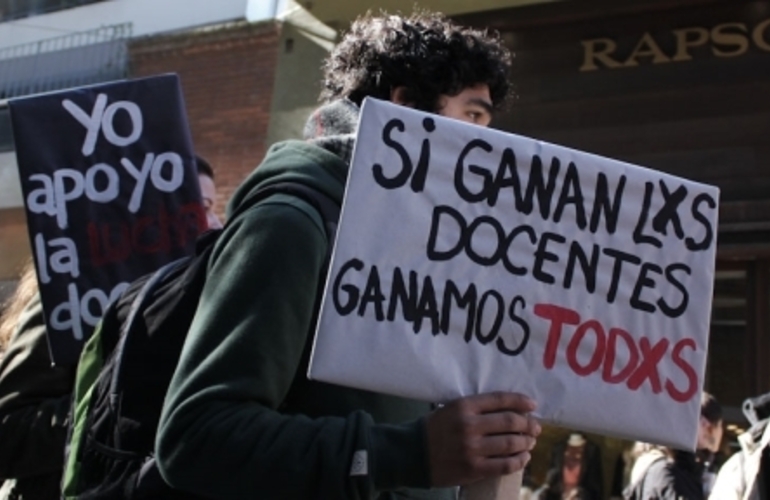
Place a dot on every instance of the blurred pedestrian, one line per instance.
(34, 399)
(746, 474)
(662, 473)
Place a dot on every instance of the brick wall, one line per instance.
(227, 75)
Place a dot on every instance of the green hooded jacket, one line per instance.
(240, 419)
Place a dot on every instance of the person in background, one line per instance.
(241, 419)
(662, 473)
(575, 472)
(208, 191)
(34, 393)
(623, 466)
(34, 399)
(746, 474)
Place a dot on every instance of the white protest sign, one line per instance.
(471, 260)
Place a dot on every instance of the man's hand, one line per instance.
(479, 437)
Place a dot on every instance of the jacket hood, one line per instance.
(296, 161)
(321, 161)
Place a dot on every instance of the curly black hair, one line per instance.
(425, 53)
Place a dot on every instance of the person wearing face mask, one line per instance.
(662, 473)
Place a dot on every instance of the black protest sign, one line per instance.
(111, 193)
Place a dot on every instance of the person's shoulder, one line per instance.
(282, 219)
(282, 208)
(731, 479)
(644, 462)
(660, 471)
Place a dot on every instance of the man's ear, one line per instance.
(398, 96)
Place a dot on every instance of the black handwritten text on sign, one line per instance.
(111, 193)
(500, 262)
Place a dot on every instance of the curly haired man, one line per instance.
(241, 420)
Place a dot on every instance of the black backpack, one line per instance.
(126, 366)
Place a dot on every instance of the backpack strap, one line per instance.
(137, 306)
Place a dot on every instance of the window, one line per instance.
(16, 9)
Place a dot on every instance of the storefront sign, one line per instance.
(731, 39)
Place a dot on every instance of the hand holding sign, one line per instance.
(480, 437)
